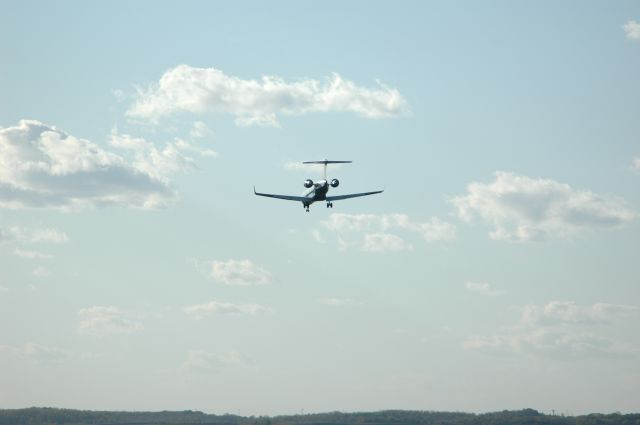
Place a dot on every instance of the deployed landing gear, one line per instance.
(306, 208)
(329, 204)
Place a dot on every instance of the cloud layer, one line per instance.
(42, 166)
(30, 235)
(373, 233)
(259, 102)
(239, 273)
(562, 328)
(522, 209)
(106, 320)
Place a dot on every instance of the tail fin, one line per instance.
(325, 162)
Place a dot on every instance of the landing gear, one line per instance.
(306, 208)
(329, 204)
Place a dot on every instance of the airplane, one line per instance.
(317, 191)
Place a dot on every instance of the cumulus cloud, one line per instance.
(238, 273)
(259, 102)
(568, 312)
(636, 163)
(523, 209)
(482, 288)
(106, 320)
(373, 232)
(632, 30)
(31, 235)
(381, 242)
(562, 328)
(154, 162)
(48, 235)
(200, 130)
(200, 311)
(42, 166)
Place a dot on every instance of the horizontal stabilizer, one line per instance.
(326, 161)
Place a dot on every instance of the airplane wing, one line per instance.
(286, 197)
(351, 195)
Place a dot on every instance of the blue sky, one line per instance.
(498, 270)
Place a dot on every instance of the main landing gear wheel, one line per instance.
(329, 204)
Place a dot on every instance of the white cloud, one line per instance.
(266, 120)
(201, 311)
(373, 232)
(41, 272)
(563, 328)
(154, 162)
(49, 235)
(106, 320)
(199, 361)
(252, 102)
(437, 230)
(42, 166)
(31, 255)
(559, 312)
(636, 163)
(632, 30)
(337, 302)
(29, 235)
(523, 209)
(482, 288)
(382, 242)
(184, 146)
(239, 273)
(200, 130)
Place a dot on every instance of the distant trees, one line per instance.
(51, 416)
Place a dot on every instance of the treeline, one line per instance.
(50, 416)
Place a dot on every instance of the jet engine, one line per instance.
(335, 183)
(308, 183)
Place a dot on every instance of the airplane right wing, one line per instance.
(285, 197)
(351, 195)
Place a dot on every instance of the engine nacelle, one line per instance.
(308, 183)
(335, 183)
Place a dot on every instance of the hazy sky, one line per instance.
(499, 269)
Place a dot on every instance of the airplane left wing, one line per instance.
(351, 195)
(285, 197)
